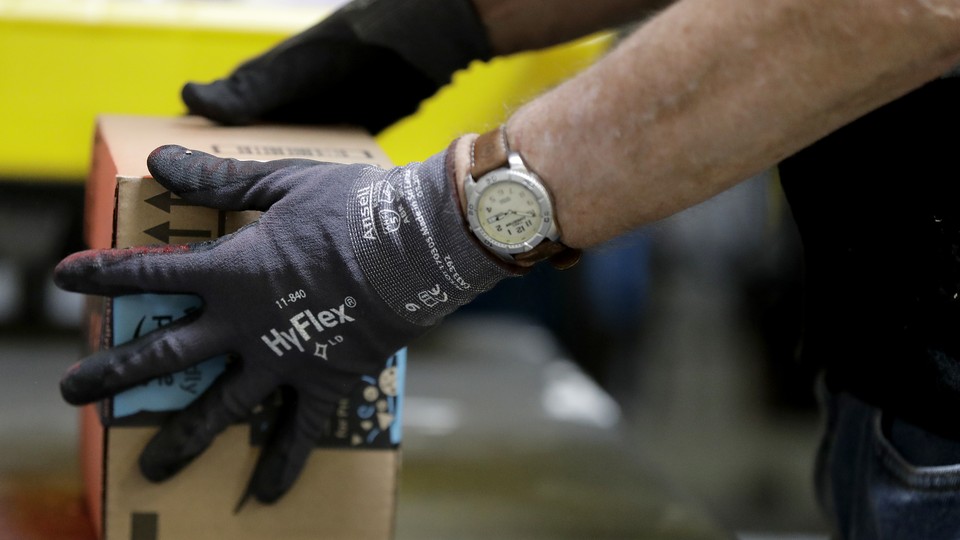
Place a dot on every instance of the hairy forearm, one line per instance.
(519, 25)
(710, 92)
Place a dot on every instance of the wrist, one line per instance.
(412, 244)
(509, 210)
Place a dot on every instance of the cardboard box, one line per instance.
(348, 488)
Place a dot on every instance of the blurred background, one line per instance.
(653, 391)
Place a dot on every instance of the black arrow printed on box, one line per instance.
(165, 200)
(163, 232)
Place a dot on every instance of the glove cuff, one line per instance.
(411, 243)
(438, 37)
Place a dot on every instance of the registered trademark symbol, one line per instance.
(350, 302)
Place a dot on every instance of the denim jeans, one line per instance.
(869, 490)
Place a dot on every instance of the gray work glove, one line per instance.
(347, 264)
(370, 63)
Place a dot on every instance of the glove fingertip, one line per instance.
(192, 96)
(278, 469)
(180, 169)
(74, 387)
(159, 470)
(270, 493)
(270, 483)
(166, 454)
(213, 101)
(72, 272)
(162, 157)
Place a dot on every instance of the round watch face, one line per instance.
(509, 213)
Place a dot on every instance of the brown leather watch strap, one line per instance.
(490, 152)
(560, 256)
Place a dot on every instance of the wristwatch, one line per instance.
(509, 209)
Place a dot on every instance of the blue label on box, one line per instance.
(134, 316)
(400, 362)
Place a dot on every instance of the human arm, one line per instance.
(710, 92)
(520, 25)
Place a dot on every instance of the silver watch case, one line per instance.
(518, 173)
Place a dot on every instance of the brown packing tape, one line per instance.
(91, 433)
(92, 464)
(100, 204)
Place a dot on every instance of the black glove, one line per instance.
(370, 63)
(366, 258)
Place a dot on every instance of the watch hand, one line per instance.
(497, 217)
(523, 216)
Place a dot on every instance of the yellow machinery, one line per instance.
(62, 62)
